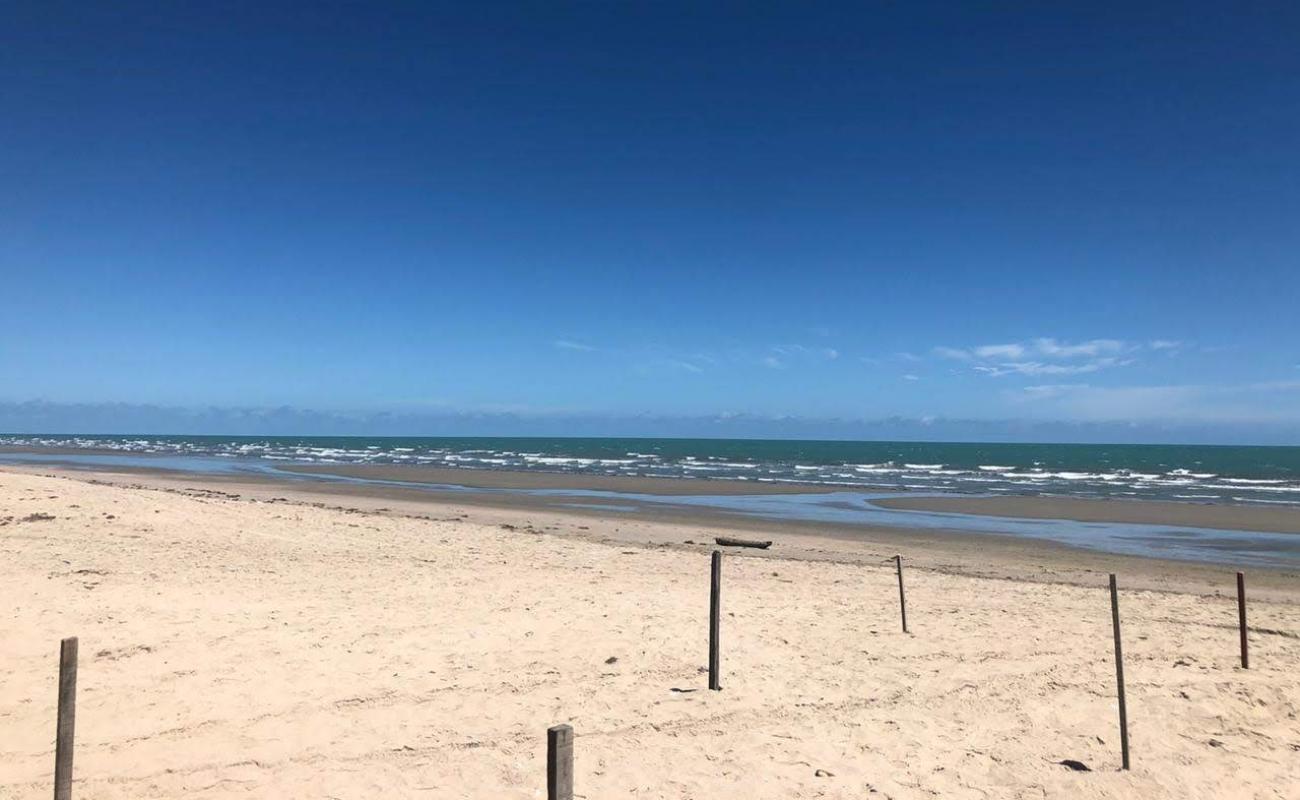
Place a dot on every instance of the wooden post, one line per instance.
(715, 622)
(1241, 618)
(1119, 672)
(67, 719)
(902, 596)
(559, 763)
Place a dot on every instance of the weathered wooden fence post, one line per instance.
(67, 724)
(1119, 672)
(715, 622)
(1241, 618)
(559, 763)
(902, 596)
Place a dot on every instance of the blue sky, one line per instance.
(609, 210)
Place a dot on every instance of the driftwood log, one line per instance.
(727, 541)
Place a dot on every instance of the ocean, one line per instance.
(1207, 474)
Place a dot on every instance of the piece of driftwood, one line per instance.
(727, 541)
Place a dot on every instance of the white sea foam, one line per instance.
(1262, 500)
(1251, 488)
(1180, 483)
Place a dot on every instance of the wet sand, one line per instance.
(1154, 512)
(670, 525)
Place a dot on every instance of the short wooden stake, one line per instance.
(1241, 618)
(559, 763)
(715, 622)
(1119, 672)
(63, 742)
(902, 596)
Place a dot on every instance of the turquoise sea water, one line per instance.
(1219, 474)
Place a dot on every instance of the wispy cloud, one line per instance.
(684, 365)
(911, 377)
(954, 353)
(1041, 368)
(569, 344)
(781, 355)
(1090, 349)
(1000, 351)
(1045, 356)
(803, 351)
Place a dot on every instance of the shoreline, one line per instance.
(1213, 535)
(956, 552)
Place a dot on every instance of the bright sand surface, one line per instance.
(238, 645)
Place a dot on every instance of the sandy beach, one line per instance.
(253, 640)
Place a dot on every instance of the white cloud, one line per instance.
(954, 353)
(1048, 356)
(784, 353)
(1041, 368)
(910, 377)
(773, 362)
(1051, 348)
(1000, 351)
(567, 344)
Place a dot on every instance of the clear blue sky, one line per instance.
(969, 211)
